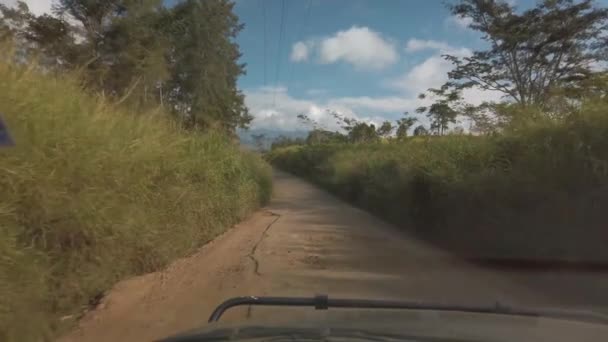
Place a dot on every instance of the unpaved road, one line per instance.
(307, 242)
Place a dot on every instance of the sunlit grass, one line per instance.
(91, 194)
(534, 192)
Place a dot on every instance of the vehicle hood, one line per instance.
(409, 326)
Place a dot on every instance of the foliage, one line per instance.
(318, 136)
(92, 193)
(535, 191)
(420, 130)
(404, 124)
(362, 132)
(284, 141)
(542, 58)
(205, 64)
(143, 54)
(550, 45)
(385, 129)
(441, 112)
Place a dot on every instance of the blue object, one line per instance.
(5, 137)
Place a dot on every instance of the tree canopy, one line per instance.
(555, 43)
(183, 57)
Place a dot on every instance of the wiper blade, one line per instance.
(323, 302)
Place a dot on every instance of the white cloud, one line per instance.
(359, 46)
(388, 104)
(598, 65)
(433, 72)
(476, 96)
(430, 73)
(283, 114)
(415, 45)
(300, 51)
(37, 7)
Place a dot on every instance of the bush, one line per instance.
(536, 192)
(92, 194)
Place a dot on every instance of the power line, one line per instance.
(302, 31)
(278, 61)
(263, 5)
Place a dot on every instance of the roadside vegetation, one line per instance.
(528, 180)
(122, 162)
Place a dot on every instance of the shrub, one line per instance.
(533, 192)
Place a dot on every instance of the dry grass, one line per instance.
(92, 194)
(536, 192)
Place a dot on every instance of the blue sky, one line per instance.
(366, 59)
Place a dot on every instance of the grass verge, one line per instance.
(536, 193)
(92, 194)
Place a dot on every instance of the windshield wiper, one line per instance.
(323, 302)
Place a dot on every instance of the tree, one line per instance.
(308, 121)
(320, 136)
(284, 141)
(441, 113)
(553, 44)
(420, 131)
(204, 65)
(52, 37)
(143, 53)
(95, 17)
(137, 44)
(404, 124)
(362, 132)
(385, 129)
(13, 21)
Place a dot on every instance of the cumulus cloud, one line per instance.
(283, 114)
(430, 73)
(37, 7)
(361, 47)
(415, 45)
(433, 72)
(300, 51)
(386, 104)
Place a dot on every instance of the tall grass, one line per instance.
(537, 192)
(91, 194)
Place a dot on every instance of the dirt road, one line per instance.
(307, 242)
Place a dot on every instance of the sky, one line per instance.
(365, 59)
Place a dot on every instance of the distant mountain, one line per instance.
(270, 135)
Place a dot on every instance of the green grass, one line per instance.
(533, 193)
(92, 194)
